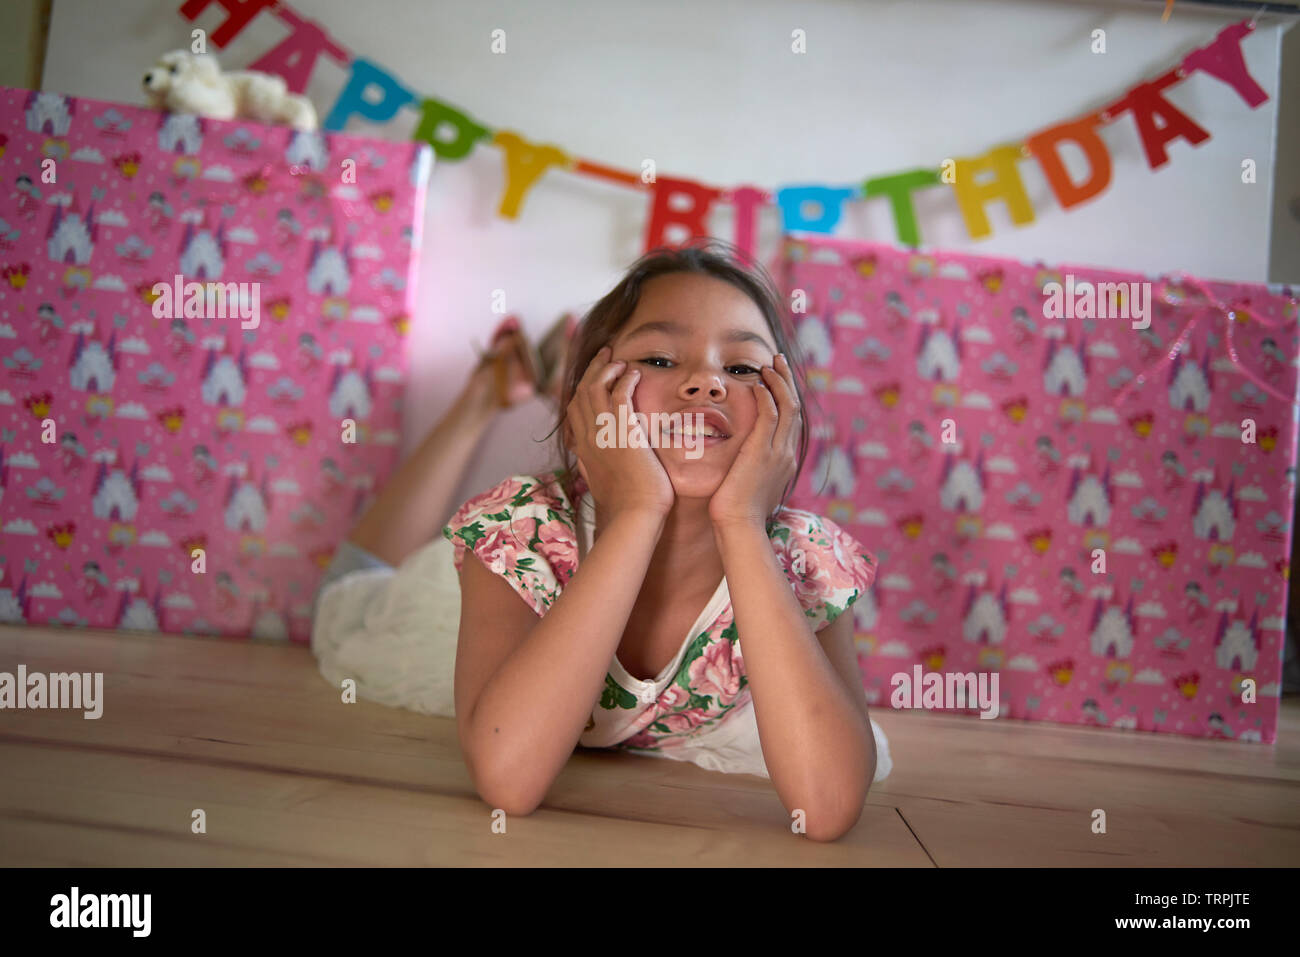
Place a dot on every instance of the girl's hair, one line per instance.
(707, 257)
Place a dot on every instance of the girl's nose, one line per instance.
(704, 383)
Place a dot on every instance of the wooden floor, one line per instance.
(287, 774)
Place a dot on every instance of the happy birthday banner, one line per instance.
(814, 208)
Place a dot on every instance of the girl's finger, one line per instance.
(600, 373)
(783, 383)
(787, 401)
(598, 362)
(625, 388)
(578, 419)
(782, 365)
(579, 411)
(768, 413)
(600, 391)
(593, 398)
(787, 376)
(581, 402)
(627, 385)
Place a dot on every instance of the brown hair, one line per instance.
(703, 256)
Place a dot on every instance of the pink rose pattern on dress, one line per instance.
(508, 541)
(560, 547)
(827, 569)
(717, 673)
(831, 563)
(493, 500)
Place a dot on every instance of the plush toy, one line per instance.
(184, 82)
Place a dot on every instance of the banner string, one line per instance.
(578, 165)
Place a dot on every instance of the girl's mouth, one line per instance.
(689, 437)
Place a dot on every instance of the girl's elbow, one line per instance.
(509, 804)
(836, 814)
(834, 832)
(833, 822)
(508, 797)
(507, 792)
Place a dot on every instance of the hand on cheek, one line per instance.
(767, 459)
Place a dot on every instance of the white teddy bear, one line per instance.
(184, 82)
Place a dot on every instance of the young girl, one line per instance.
(661, 601)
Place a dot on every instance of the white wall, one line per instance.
(1284, 237)
(711, 91)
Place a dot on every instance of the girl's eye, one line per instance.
(742, 369)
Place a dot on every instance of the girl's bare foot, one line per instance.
(505, 375)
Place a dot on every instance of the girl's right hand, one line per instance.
(620, 479)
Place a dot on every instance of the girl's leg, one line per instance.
(417, 500)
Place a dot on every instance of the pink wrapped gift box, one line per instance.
(1097, 512)
(192, 468)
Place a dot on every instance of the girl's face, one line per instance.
(699, 343)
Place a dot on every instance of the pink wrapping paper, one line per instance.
(1069, 435)
(128, 439)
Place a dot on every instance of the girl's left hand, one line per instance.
(767, 459)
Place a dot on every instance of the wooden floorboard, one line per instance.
(288, 775)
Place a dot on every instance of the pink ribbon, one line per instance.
(1229, 313)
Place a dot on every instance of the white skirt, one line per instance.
(394, 632)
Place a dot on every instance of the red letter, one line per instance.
(295, 56)
(662, 215)
(241, 11)
(1146, 101)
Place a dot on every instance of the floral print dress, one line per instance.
(699, 707)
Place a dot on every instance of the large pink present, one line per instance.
(1086, 495)
(201, 330)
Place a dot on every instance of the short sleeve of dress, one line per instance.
(521, 529)
(828, 568)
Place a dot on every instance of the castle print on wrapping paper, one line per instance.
(208, 389)
(1100, 513)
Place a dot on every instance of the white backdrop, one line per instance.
(711, 91)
